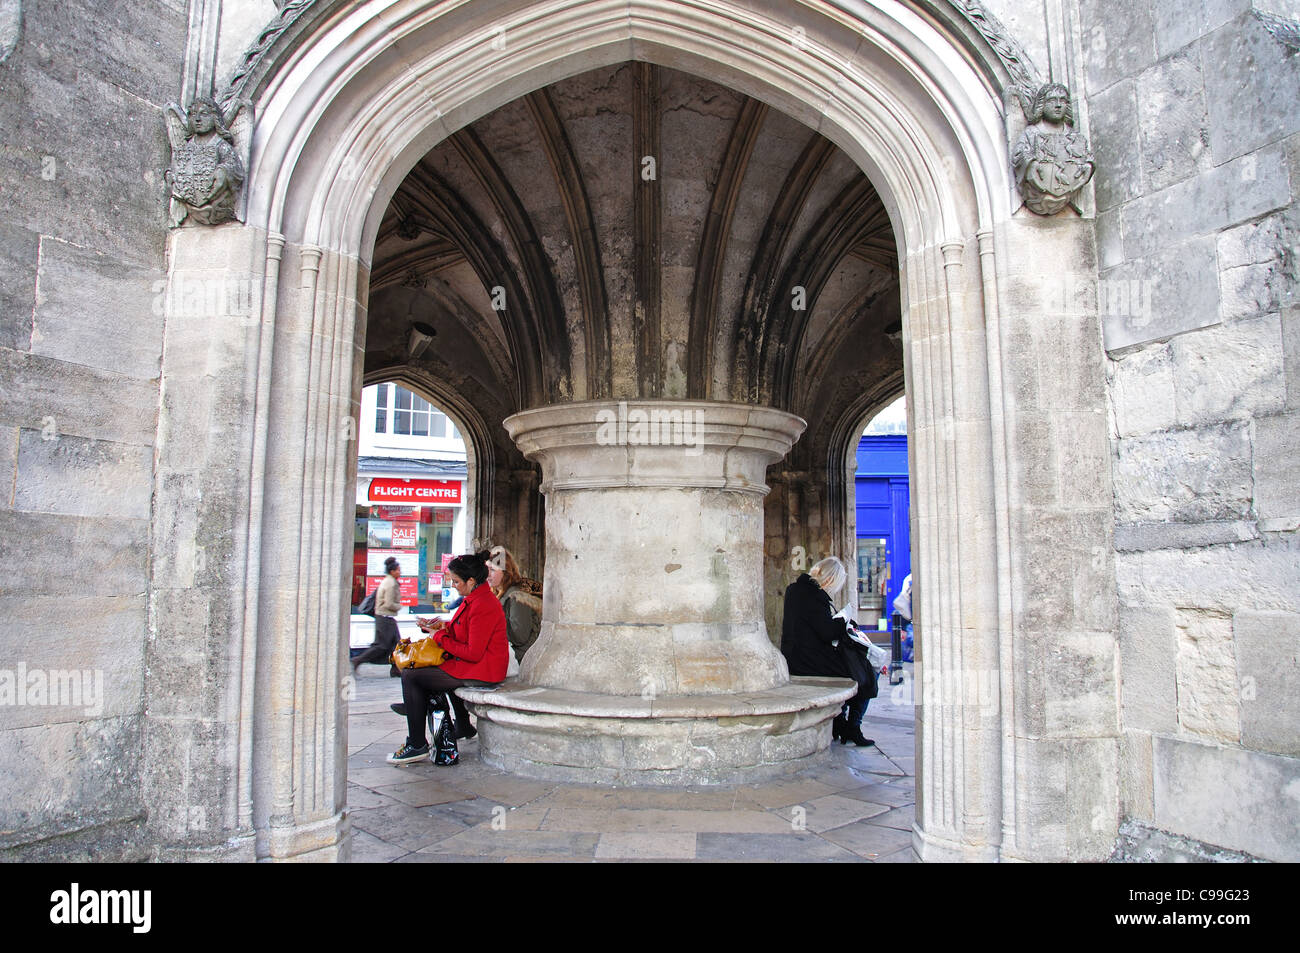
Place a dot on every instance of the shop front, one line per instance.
(882, 501)
(420, 521)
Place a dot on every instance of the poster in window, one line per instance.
(379, 533)
(383, 512)
(408, 561)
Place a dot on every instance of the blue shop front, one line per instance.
(884, 541)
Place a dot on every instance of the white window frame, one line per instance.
(452, 443)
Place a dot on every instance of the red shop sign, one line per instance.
(397, 490)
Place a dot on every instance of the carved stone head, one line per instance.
(204, 116)
(1052, 103)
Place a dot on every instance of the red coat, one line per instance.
(476, 637)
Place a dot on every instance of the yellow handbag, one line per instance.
(422, 653)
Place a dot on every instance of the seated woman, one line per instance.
(809, 627)
(477, 651)
(521, 598)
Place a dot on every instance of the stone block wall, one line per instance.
(1197, 135)
(82, 241)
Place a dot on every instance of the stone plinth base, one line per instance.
(559, 735)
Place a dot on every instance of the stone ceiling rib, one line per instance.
(760, 283)
(647, 227)
(537, 271)
(847, 326)
(493, 268)
(713, 245)
(586, 243)
(854, 214)
(425, 258)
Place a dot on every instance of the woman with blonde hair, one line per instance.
(815, 642)
(521, 598)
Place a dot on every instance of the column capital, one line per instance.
(654, 443)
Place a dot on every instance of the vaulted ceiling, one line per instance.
(636, 231)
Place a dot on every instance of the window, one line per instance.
(873, 572)
(400, 412)
(381, 408)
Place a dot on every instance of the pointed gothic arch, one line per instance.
(348, 101)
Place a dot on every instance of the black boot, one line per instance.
(837, 728)
(853, 736)
(852, 733)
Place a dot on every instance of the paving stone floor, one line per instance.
(855, 806)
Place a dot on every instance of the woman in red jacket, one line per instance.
(477, 651)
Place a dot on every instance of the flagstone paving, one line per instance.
(853, 806)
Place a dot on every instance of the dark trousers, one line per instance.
(854, 665)
(856, 706)
(851, 663)
(418, 686)
(385, 641)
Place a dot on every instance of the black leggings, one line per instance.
(418, 685)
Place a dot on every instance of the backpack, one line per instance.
(367, 606)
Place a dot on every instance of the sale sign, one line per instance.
(405, 534)
(435, 581)
(398, 490)
(446, 561)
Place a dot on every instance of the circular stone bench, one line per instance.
(558, 735)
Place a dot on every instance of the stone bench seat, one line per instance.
(557, 734)
(801, 694)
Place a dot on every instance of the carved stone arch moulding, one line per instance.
(1050, 173)
(972, 26)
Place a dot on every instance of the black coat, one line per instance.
(807, 629)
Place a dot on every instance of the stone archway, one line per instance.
(347, 108)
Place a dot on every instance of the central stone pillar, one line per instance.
(653, 664)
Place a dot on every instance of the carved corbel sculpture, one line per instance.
(1052, 162)
(209, 161)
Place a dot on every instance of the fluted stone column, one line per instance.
(654, 545)
(653, 663)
